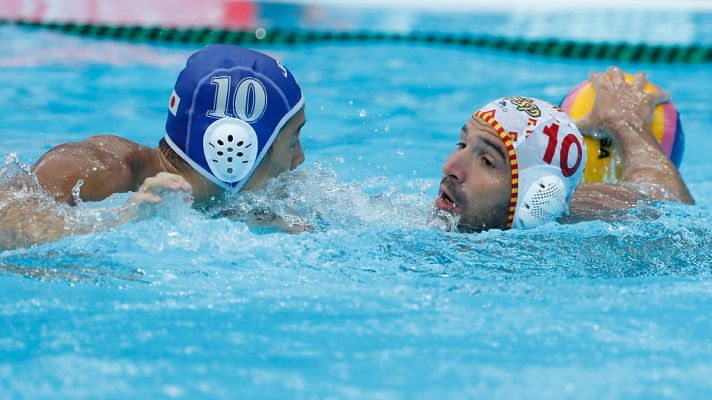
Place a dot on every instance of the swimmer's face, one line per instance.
(477, 179)
(285, 154)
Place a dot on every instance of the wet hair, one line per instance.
(173, 157)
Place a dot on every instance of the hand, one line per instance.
(266, 219)
(153, 190)
(624, 112)
(279, 223)
(621, 110)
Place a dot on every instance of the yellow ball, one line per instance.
(602, 159)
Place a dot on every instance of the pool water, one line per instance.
(378, 300)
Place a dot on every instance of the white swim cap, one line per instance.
(547, 155)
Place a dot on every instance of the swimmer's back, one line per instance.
(107, 164)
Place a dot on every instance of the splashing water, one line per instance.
(650, 240)
(210, 299)
(316, 199)
(23, 201)
(76, 192)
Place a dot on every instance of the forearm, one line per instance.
(28, 223)
(28, 218)
(645, 167)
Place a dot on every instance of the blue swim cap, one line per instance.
(227, 107)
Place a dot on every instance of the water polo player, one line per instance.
(520, 160)
(234, 120)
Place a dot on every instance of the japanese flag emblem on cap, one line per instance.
(173, 103)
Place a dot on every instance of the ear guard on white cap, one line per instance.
(543, 200)
(230, 147)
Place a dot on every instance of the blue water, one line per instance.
(379, 300)
(541, 20)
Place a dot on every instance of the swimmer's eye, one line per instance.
(487, 162)
(460, 145)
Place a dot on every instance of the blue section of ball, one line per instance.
(678, 146)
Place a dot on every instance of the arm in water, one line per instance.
(624, 111)
(30, 217)
(35, 207)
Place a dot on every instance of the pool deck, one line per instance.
(246, 13)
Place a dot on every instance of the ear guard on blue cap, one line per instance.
(230, 146)
(227, 108)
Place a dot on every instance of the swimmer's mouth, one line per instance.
(445, 202)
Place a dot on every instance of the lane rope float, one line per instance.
(623, 52)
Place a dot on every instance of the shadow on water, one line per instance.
(69, 266)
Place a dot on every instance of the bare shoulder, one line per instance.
(112, 144)
(102, 146)
(103, 162)
(603, 201)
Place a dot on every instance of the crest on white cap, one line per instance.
(547, 155)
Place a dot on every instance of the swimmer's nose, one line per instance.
(453, 168)
(298, 156)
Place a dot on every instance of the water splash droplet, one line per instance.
(76, 192)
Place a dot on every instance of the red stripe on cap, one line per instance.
(489, 118)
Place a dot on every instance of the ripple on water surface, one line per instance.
(377, 298)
